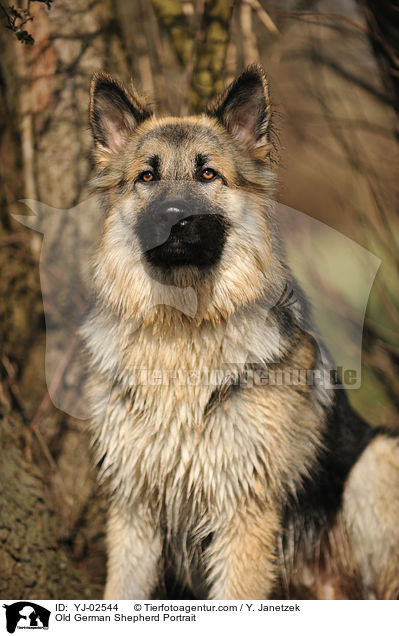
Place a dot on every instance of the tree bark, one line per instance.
(208, 78)
(200, 44)
(52, 515)
(170, 13)
(33, 562)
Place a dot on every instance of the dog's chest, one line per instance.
(174, 377)
(157, 440)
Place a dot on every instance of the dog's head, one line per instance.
(186, 198)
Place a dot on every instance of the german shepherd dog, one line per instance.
(231, 489)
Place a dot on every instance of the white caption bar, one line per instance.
(173, 617)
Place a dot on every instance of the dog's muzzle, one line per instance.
(179, 233)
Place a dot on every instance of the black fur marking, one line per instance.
(200, 162)
(179, 134)
(122, 185)
(308, 514)
(155, 164)
(221, 394)
(177, 583)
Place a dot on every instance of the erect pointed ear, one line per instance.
(245, 109)
(114, 113)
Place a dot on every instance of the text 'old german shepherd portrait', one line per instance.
(247, 488)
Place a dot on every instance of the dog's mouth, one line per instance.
(177, 239)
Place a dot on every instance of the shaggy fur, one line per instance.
(239, 486)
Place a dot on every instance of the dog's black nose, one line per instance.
(172, 216)
(170, 219)
(179, 232)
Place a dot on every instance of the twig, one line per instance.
(375, 33)
(45, 403)
(313, 14)
(13, 387)
(263, 16)
(250, 46)
(4, 10)
(17, 400)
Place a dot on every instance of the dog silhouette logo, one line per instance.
(26, 615)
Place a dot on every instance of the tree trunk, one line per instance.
(52, 519)
(171, 15)
(33, 562)
(200, 44)
(210, 49)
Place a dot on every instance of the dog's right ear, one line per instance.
(114, 113)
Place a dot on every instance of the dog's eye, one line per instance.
(208, 174)
(147, 176)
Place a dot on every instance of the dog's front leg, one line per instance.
(241, 556)
(134, 553)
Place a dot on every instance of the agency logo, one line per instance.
(26, 615)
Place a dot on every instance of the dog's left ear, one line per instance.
(245, 109)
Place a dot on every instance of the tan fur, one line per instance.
(181, 462)
(242, 556)
(370, 518)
